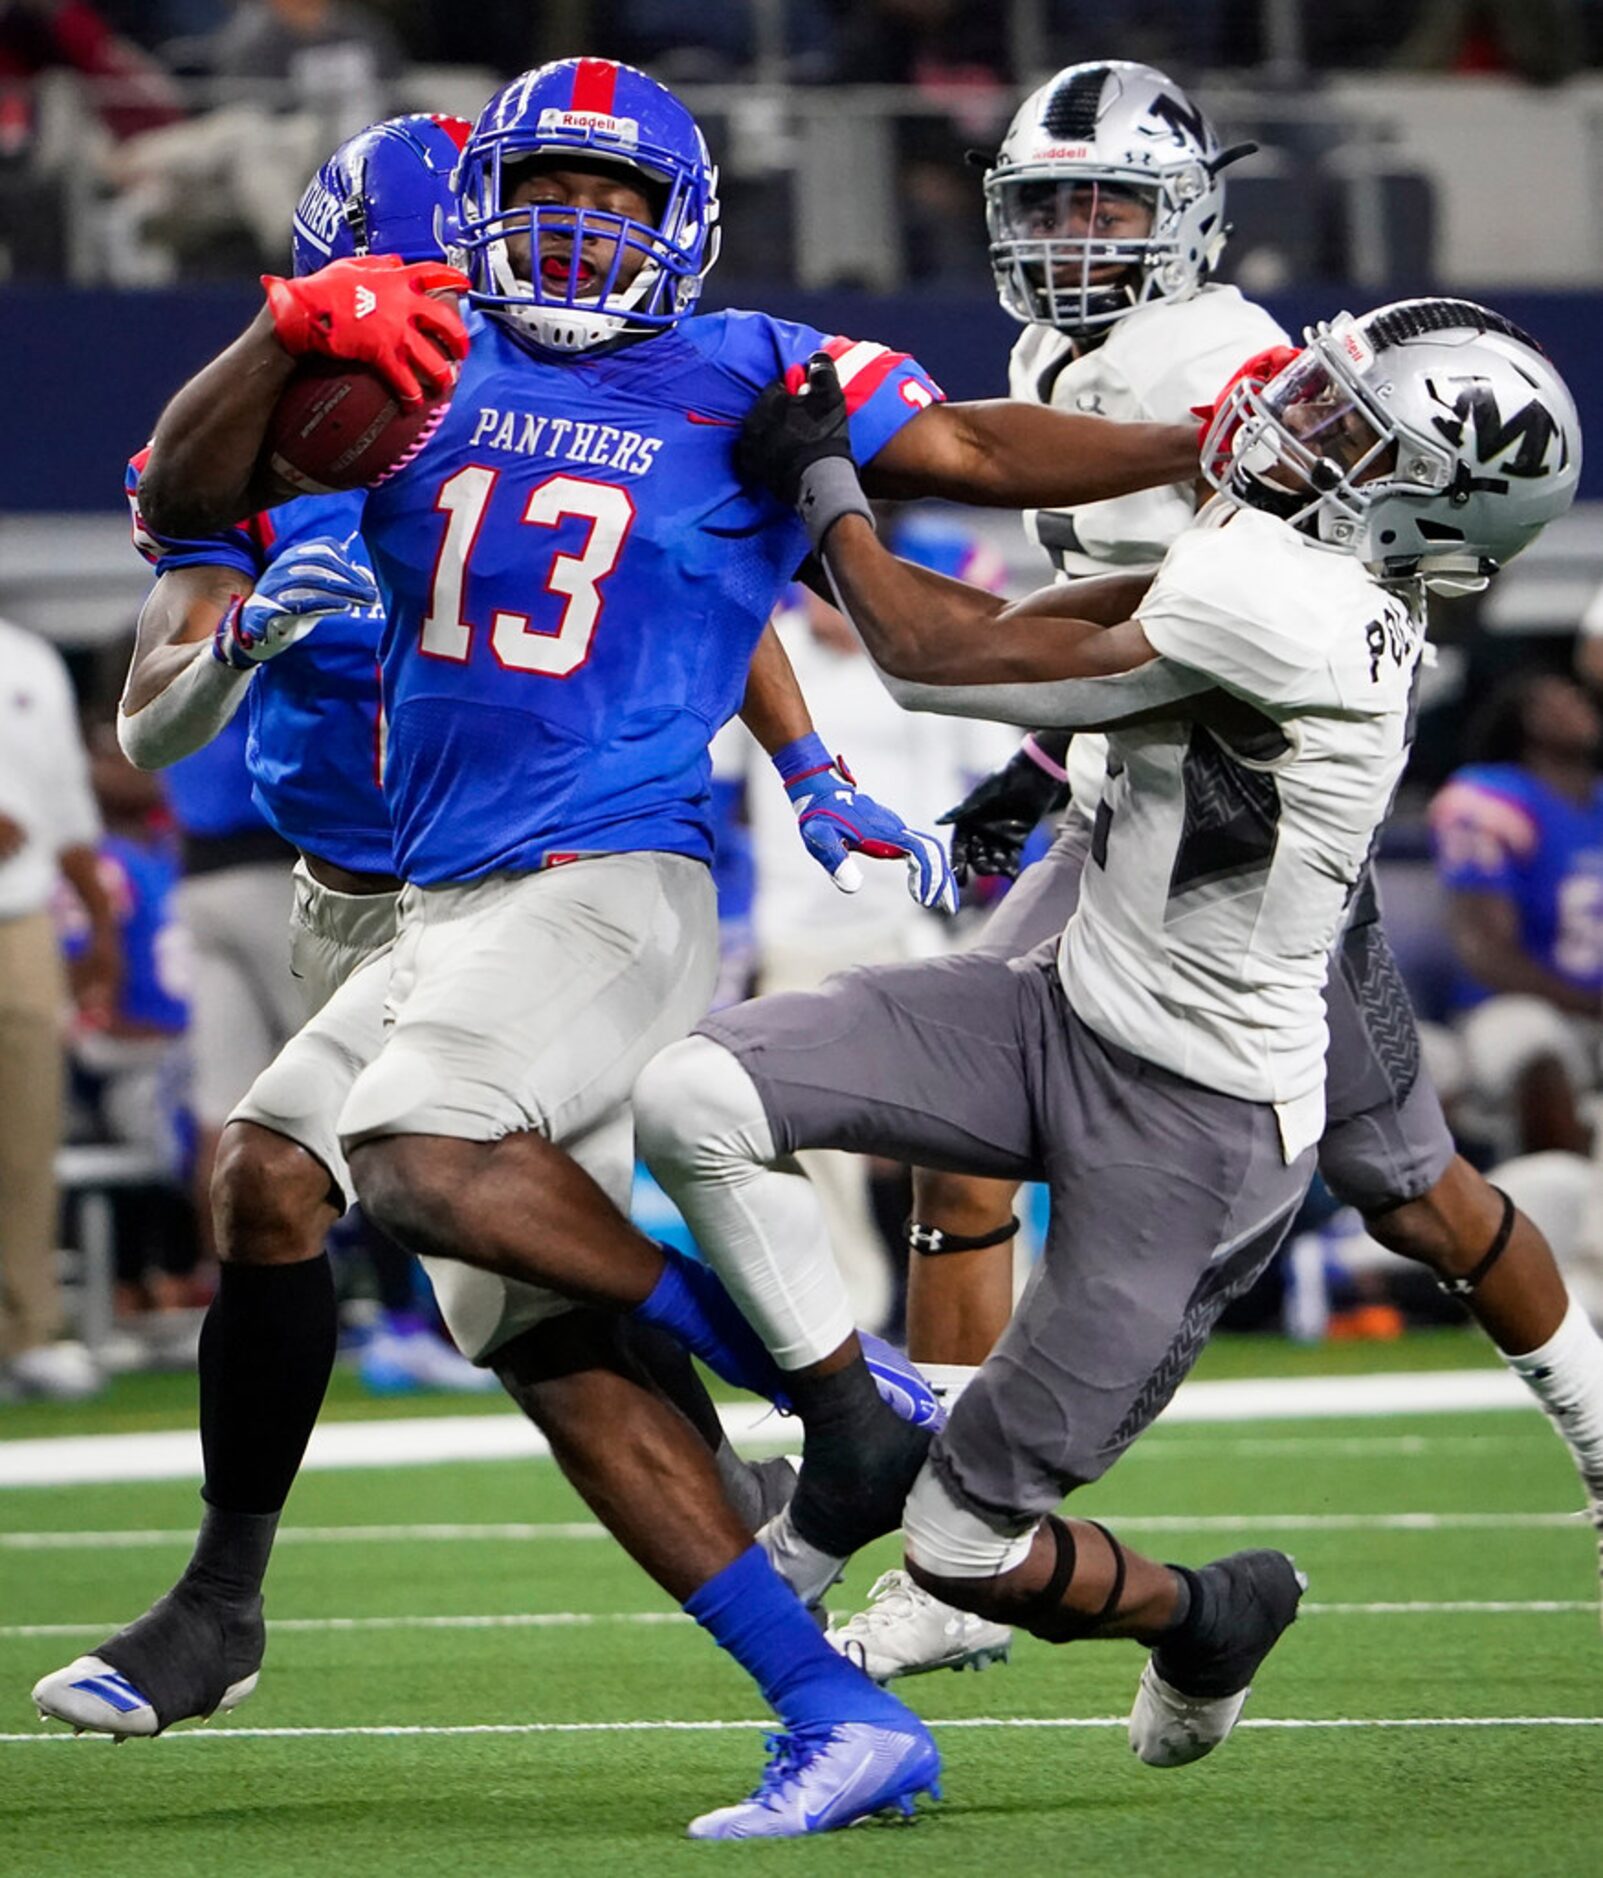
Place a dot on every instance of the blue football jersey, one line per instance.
(575, 579)
(1498, 829)
(309, 737)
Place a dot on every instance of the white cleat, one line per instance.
(807, 1571)
(1168, 1729)
(903, 1631)
(90, 1695)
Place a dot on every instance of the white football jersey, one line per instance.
(1155, 364)
(1226, 852)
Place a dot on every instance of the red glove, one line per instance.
(376, 310)
(1260, 368)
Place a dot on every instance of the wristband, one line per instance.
(806, 756)
(1041, 760)
(828, 490)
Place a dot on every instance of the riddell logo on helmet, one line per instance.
(1357, 348)
(620, 129)
(1063, 152)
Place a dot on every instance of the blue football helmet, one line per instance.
(387, 190)
(588, 111)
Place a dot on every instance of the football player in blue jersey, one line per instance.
(1519, 847)
(575, 580)
(230, 625)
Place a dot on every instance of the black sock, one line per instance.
(858, 1462)
(231, 1553)
(266, 1354)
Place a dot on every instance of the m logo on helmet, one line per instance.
(1532, 428)
(1186, 123)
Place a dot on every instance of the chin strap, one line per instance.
(1464, 1286)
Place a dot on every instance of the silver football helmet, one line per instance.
(1097, 138)
(1430, 438)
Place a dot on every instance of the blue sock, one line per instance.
(751, 1612)
(689, 1302)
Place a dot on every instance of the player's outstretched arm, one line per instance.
(946, 647)
(204, 470)
(1006, 454)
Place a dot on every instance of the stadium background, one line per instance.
(1442, 1712)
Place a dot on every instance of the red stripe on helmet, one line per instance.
(458, 129)
(594, 82)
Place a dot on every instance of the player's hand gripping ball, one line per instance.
(797, 421)
(379, 350)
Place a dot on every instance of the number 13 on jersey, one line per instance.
(517, 643)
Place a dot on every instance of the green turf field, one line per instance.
(393, 1743)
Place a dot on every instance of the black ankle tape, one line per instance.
(1111, 1603)
(1462, 1287)
(1044, 1606)
(931, 1241)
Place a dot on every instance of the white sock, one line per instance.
(1566, 1377)
(949, 1380)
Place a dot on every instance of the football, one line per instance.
(338, 425)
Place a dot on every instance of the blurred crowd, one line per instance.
(144, 980)
(147, 140)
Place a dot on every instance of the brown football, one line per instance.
(338, 425)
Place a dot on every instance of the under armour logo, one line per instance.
(366, 301)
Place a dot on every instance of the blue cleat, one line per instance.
(824, 1777)
(902, 1385)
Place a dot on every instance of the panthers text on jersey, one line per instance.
(1499, 829)
(1224, 857)
(311, 726)
(576, 578)
(1153, 366)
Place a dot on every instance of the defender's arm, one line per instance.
(1002, 453)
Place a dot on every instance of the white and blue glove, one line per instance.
(304, 586)
(837, 820)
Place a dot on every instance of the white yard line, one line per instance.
(565, 1620)
(136, 1538)
(222, 1732)
(72, 1460)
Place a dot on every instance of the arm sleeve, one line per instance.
(1066, 703)
(1482, 834)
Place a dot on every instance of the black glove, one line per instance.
(994, 820)
(797, 446)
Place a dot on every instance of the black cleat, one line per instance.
(189, 1657)
(1196, 1682)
